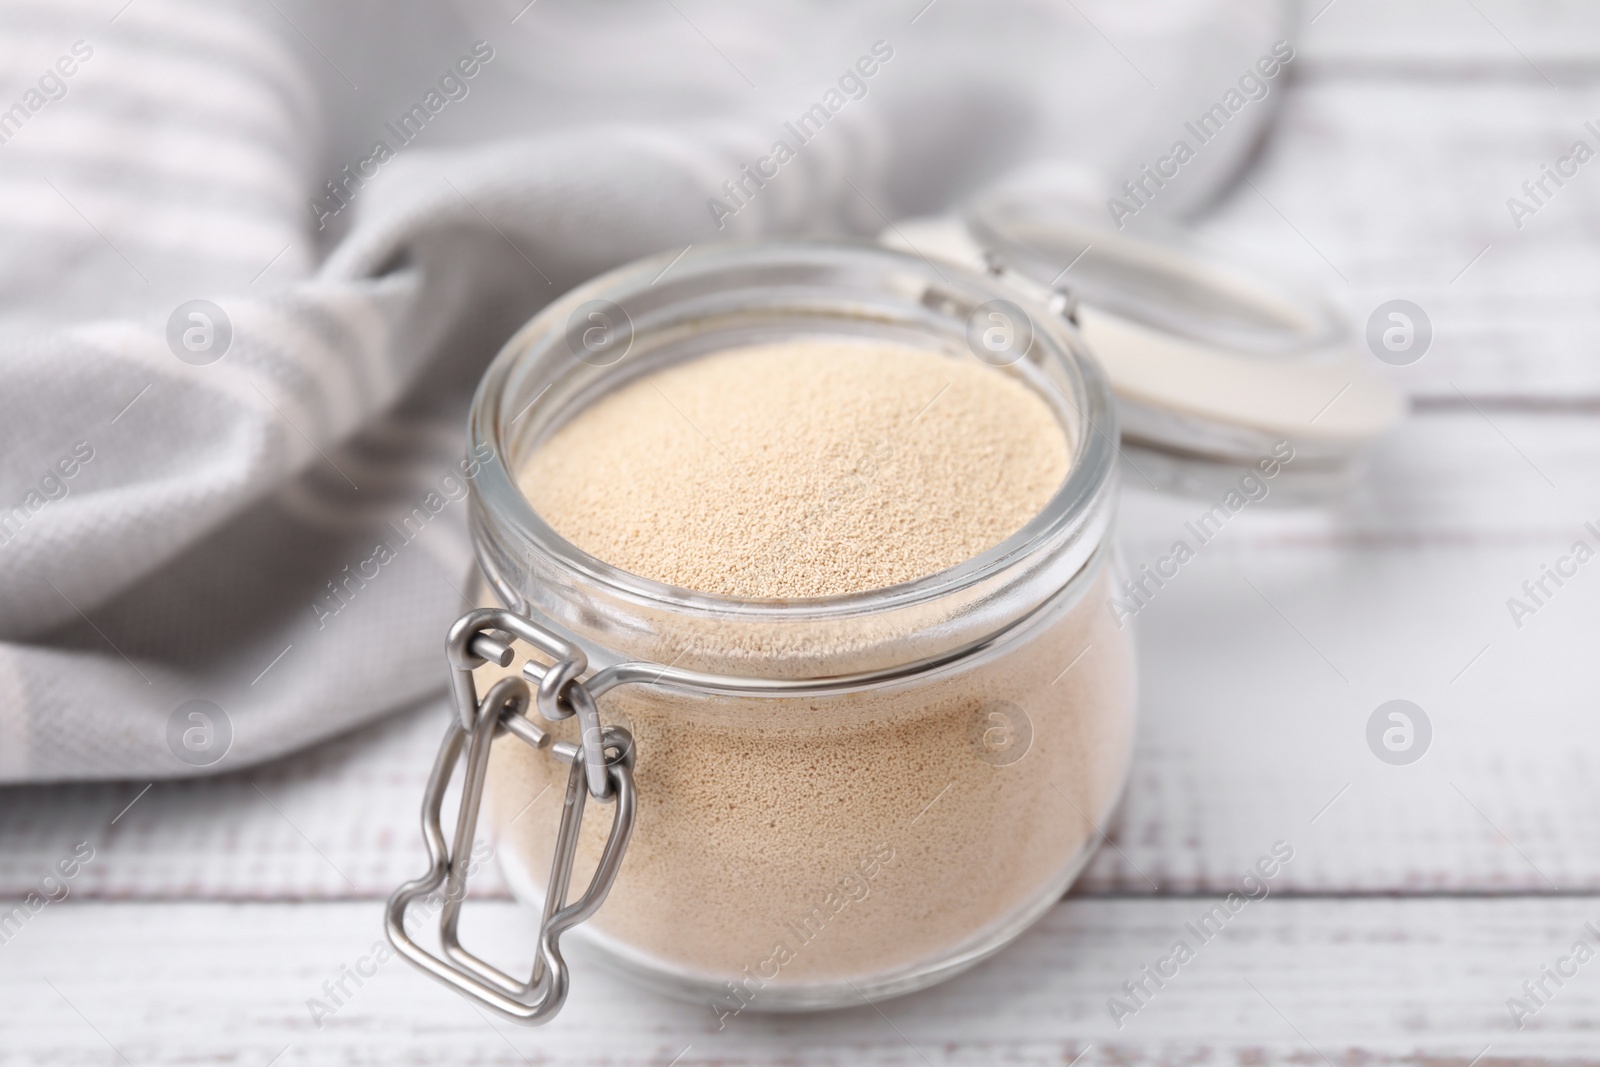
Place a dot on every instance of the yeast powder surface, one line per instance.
(801, 469)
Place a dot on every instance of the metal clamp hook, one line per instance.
(560, 695)
(504, 710)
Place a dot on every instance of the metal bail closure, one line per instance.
(602, 766)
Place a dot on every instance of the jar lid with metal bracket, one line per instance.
(1214, 365)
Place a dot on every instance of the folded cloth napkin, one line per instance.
(237, 337)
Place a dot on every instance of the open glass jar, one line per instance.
(811, 801)
(837, 797)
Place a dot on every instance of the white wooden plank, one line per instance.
(1265, 657)
(1247, 730)
(1287, 982)
(1381, 187)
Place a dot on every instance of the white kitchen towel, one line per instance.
(256, 254)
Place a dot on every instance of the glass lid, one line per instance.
(1156, 275)
(1215, 365)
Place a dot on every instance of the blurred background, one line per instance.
(361, 201)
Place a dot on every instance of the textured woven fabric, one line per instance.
(186, 489)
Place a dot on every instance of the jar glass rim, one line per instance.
(1092, 440)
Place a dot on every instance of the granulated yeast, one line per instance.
(796, 842)
(801, 469)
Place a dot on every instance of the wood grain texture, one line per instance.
(1288, 982)
(1386, 187)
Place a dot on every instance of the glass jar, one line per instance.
(819, 799)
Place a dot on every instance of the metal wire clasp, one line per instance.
(602, 767)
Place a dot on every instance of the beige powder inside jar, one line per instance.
(801, 469)
(817, 840)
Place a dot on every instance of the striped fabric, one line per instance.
(172, 530)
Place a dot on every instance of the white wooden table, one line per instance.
(1420, 897)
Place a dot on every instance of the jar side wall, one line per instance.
(852, 836)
